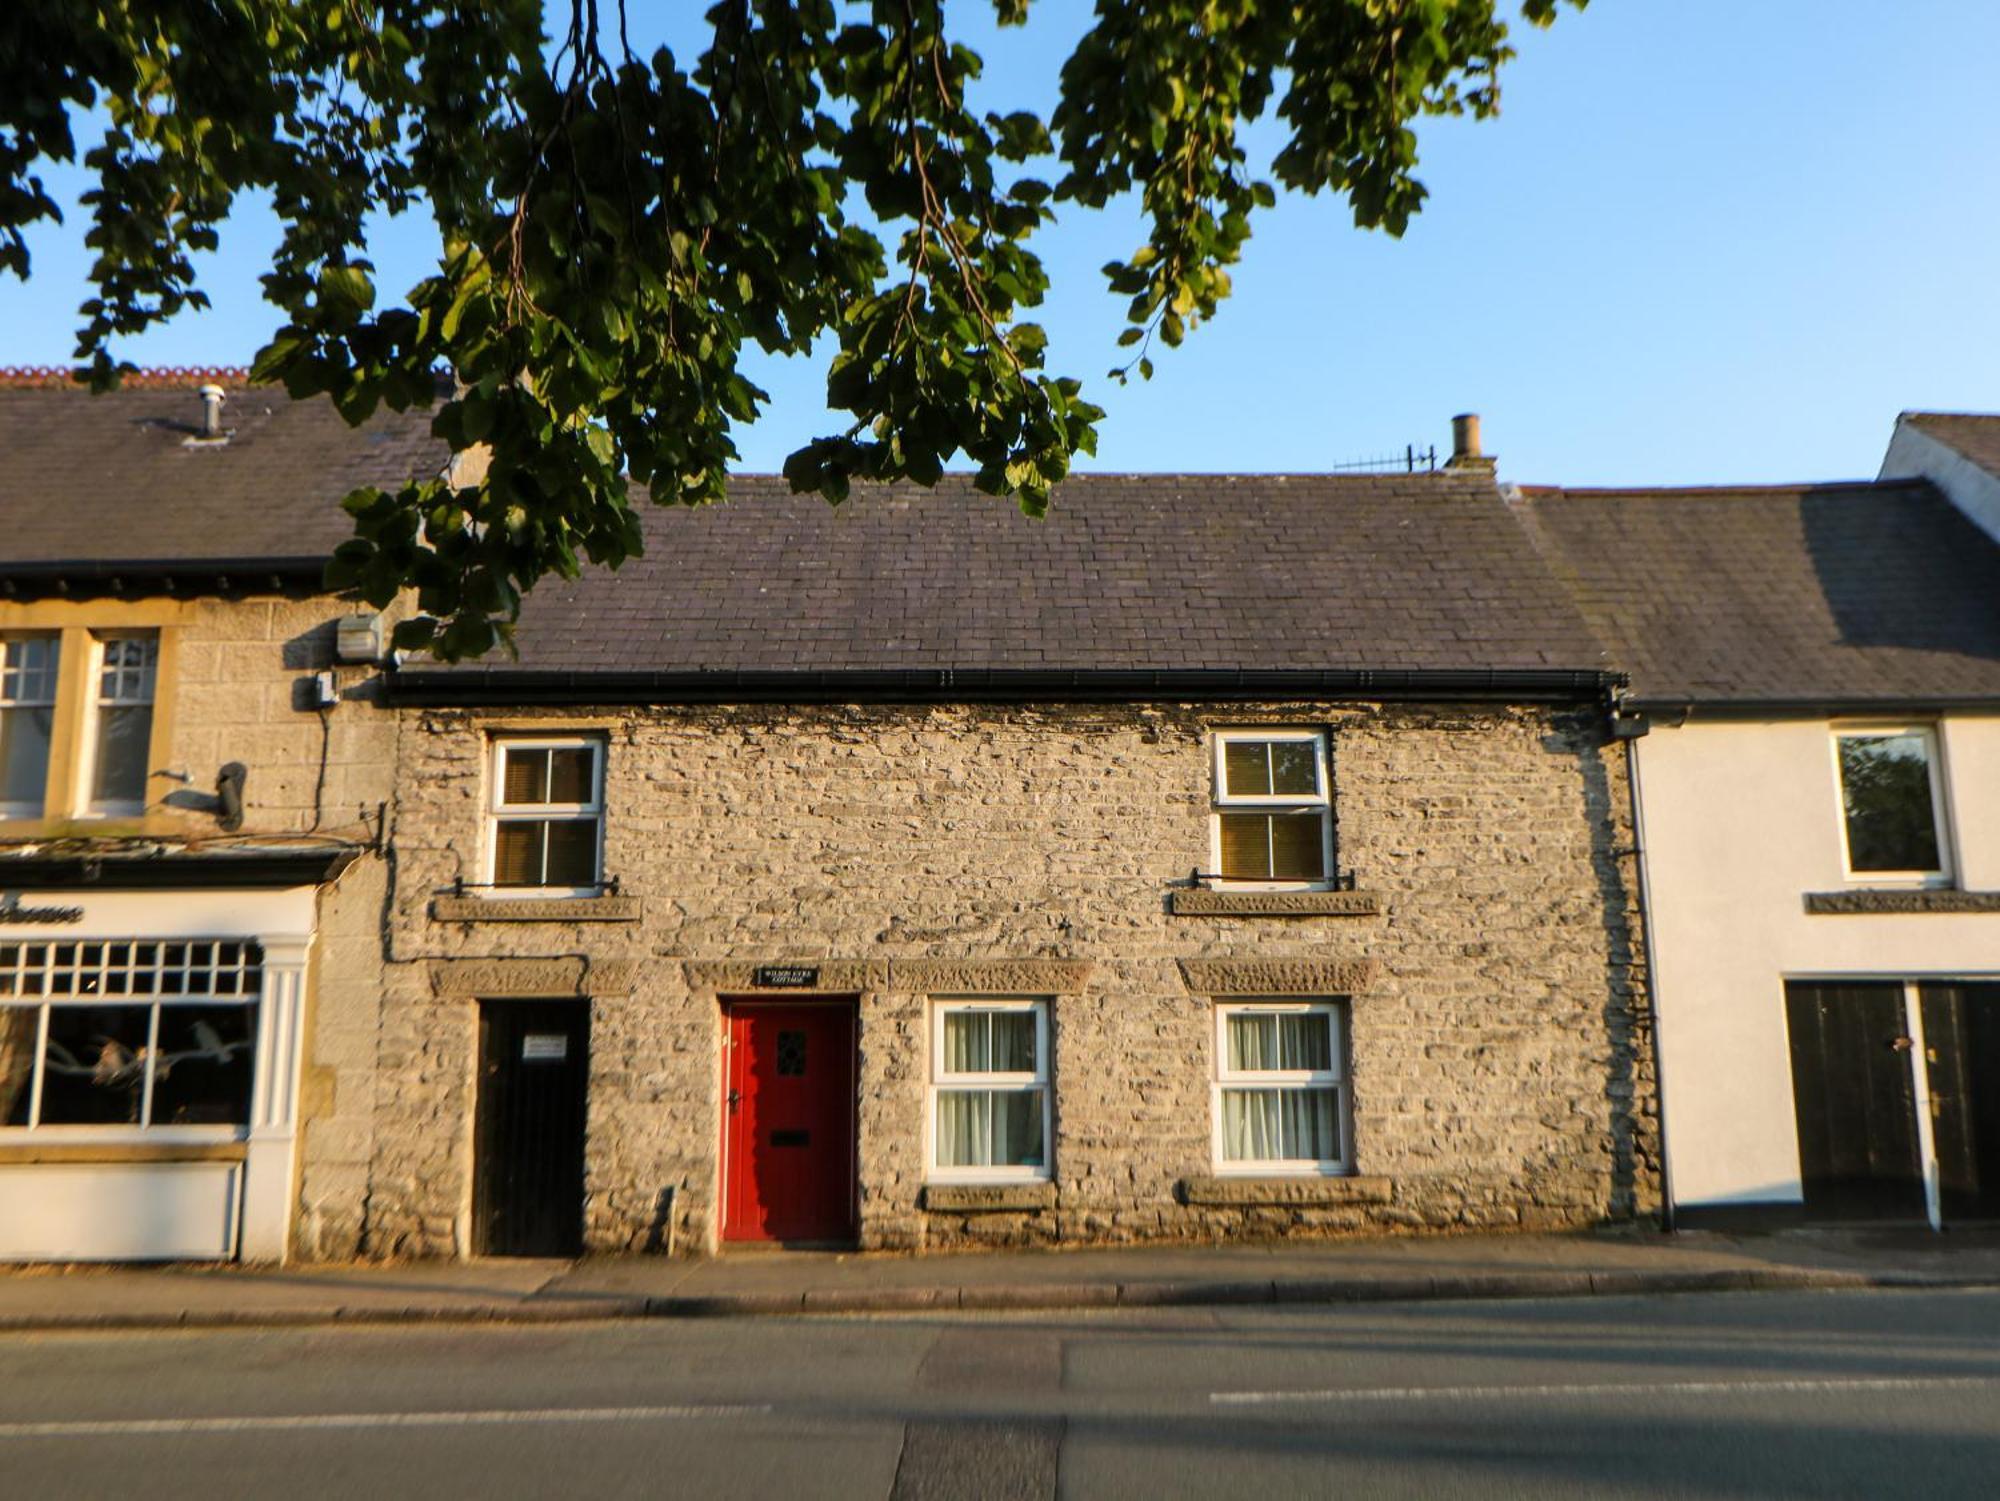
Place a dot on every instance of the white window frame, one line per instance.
(37, 808)
(93, 707)
(498, 809)
(1222, 801)
(1223, 1077)
(43, 1003)
(938, 1082)
(1940, 821)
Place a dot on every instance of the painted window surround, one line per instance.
(65, 804)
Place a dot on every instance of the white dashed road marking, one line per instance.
(131, 1427)
(1597, 1389)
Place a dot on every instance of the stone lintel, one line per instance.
(569, 975)
(1200, 903)
(988, 1198)
(1222, 1190)
(990, 976)
(1883, 900)
(730, 976)
(918, 976)
(1277, 976)
(536, 909)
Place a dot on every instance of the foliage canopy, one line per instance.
(617, 229)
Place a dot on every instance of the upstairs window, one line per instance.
(1273, 819)
(121, 728)
(27, 720)
(548, 815)
(1892, 803)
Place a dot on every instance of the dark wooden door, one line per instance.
(527, 1182)
(1853, 1090)
(1962, 1041)
(788, 1123)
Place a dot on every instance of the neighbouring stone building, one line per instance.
(1222, 856)
(193, 778)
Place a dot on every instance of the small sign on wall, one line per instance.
(544, 1047)
(786, 976)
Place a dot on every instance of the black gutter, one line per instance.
(1817, 708)
(503, 687)
(42, 580)
(180, 872)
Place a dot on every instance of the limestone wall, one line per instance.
(1500, 1053)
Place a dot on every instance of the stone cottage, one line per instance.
(1221, 856)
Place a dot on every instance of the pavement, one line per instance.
(1389, 1269)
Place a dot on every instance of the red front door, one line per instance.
(788, 1122)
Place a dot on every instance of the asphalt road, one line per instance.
(1732, 1395)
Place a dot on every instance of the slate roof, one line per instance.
(1975, 435)
(1859, 593)
(1383, 573)
(113, 478)
(1126, 572)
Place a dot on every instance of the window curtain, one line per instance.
(1279, 1125)
(989, 1128)
(989, 1042)
(1296, 1042)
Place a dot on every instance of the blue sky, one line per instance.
(1708, 241)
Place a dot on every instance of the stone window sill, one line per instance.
(1223, 1190)
(536, 909)
(1205, 903)
(1884, 900)
(988, 1198)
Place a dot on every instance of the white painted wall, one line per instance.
(1915, 454)
(1741, 819)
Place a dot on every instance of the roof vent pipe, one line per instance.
(211, 411)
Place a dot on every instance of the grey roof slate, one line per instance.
(112, 478)
(1876, 592)
(1126, 571)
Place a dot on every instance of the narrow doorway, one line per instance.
(788, 1122)
(527, 1182)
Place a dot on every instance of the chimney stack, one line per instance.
(1465, 450)
(211, 411)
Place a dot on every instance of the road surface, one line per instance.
(1728, 1395)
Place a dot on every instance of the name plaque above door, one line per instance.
(786, 976)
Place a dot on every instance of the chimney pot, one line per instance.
(1465, 436)
(1465, 450)
(211, 411)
